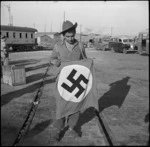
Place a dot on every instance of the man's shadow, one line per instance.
(147, 121)
(114, 97)
(38, 128)
(116, 94)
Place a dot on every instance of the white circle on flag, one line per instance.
(80, 71)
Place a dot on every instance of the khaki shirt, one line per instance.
(61, 52)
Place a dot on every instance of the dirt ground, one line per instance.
(123, 88)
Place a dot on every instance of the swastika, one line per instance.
(75, 83)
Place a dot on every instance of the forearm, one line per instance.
(54, 61)
(51, 59)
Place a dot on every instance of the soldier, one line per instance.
(69, 49)
(3, 44)
(4, 52)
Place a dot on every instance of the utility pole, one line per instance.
(111, 30)
(8, 6)
(80, 32)
(64, 15)
(51, 26)
(12, 20)
(45, 27)
(60, 26)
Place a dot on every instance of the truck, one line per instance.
(122, 44)
(142, 42)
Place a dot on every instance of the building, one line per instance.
(47, 39)
(82, 37)
(19, 38)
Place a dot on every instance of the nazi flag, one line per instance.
(74, 83)
(75, 87)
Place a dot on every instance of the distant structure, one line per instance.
(19, 38)
(47, 39)
(10, 16)
(64, 15)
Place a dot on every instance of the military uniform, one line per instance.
(62, 53)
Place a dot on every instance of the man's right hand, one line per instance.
(55, 62)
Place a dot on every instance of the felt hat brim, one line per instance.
(74, 26)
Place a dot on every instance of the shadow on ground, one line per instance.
(36, 67)
(27, 62)
(116, 94)
(114, 97)
(147, 121)
(23, 62)
(38, 128)
(15, 94)
(35, 77)
(144, 54)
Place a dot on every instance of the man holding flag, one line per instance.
(75, 88)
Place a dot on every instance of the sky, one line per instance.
(102, 17)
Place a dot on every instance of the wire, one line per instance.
(26, 125)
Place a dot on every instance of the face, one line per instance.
(70, 37)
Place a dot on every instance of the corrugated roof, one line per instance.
(16, 28)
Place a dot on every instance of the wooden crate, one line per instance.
(6, 70)
(14, 75)
(18, 75)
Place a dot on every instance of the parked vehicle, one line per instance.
(19, 38)
(122, 45)
(102, 43)
(142, 42)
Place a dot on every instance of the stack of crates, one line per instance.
(14, 75)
